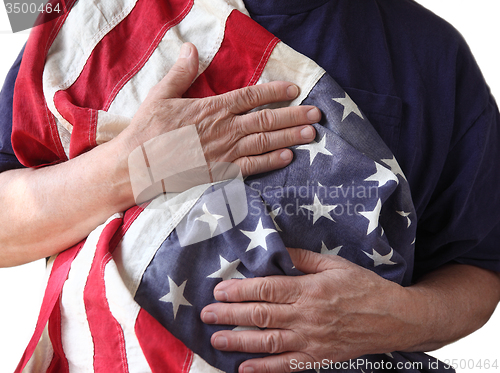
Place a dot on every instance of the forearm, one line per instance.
(449, 304)
(50, 209)
(47, 210)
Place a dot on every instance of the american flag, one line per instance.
(128, 298)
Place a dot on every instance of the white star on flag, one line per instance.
(258, 236)
(349, 106)
(380, 259)
(273, 215)
(315, 148)
(405, 215)
(175, 296)
(336, 187)
(227, 270)
(382, 176)
(394, 165)
(319, 209)
(373, 217)
(327, 251)
(210, 219)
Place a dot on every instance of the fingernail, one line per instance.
(314, 115)
(286, 155)
(185, 51)
(248, 370)
(292, 91)
(220, 295)
(307, 133)
(209, 318)
(220, 342)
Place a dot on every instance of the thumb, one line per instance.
(310, 262)
(181, 75)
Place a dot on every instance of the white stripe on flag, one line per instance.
(42, 356)
(74, 323)
(199, 365)
(203, 26)
(125, 310)
(64, 135)
(147, 233)
(290, 65)
(238, 5)
(87, 23)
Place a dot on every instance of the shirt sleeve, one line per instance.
(8, 160)
(462, 220)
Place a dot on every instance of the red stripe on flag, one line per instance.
(50, 308)
(107, 334)
(113, 62)
(240, 60)
(59, 363)
(128, 218)
(58, 276)
(35, 137)
(162, 350)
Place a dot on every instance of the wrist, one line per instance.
(412, 318)
(429, 322)
(116, 174)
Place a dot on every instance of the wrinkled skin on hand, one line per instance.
(228, 133)
(337, 311)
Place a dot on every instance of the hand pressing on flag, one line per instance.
(227, 131)
(337, 311)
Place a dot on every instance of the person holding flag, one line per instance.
(340, 309)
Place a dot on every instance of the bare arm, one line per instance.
(341, 311)
(450, 303)
(47, 210)
(50, 209)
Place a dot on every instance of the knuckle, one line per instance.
(292, 117)
(273, 343)
(224, 103)
(252, 96)
(154, 91)
(236, 147)
(156, 111)
(270, 162)
(262, 142)
(178, 69)
(317, 290)
(267, 119)
(292, 136)
(260, 316)
(241, 344)
(266, 290)
(236, 152)
(205, 107)
(247, 165)
(236, 127)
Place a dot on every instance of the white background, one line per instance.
(21, 287)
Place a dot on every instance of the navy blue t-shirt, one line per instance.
(414, 77)
(8, 160)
